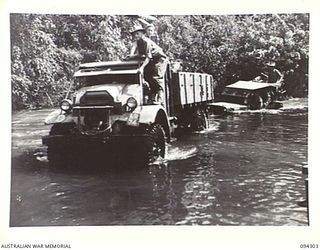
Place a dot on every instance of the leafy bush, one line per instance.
(46, 49)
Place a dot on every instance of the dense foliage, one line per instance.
(46, 49)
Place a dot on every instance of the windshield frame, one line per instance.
(92, 80)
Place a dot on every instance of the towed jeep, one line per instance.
(110, 114)
(247, 95)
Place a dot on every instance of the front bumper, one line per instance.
(89, 139)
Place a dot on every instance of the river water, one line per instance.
(244, 170)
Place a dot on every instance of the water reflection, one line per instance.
(245, 170)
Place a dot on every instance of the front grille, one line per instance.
(95, 118)
(96, 98)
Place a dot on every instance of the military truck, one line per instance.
(110, 113)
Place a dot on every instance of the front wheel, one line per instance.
(156, 142)
(141, 151)
(60, 156)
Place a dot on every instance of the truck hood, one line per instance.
(119, 92)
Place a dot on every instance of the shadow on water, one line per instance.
(95, 194)
(42, 196)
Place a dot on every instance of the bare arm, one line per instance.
(144, 64)
(280, 76)
(133, 50)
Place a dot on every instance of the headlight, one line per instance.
(66, 105)
(132, 103)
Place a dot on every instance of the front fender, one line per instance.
(154, 114)
(149, 113)
(57, 116)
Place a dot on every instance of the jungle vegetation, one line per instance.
(46, 49)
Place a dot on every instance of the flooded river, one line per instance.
(244, 170)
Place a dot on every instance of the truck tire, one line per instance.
(59, 155)
(199, 120)
(156, 142)
(140, 152)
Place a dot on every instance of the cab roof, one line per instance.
(108, 68)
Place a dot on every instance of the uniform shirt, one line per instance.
(146, 47)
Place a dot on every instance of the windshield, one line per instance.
(107, 79)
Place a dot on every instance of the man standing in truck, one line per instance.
(154, 62)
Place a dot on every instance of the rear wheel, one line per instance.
(193, 118)
(199, 120)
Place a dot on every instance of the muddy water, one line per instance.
(244, 170)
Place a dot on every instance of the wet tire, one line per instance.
(199, 120)
(155, 142)
(140, 151)
(59, 156)
(255, 102)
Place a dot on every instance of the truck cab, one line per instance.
(111, 107)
